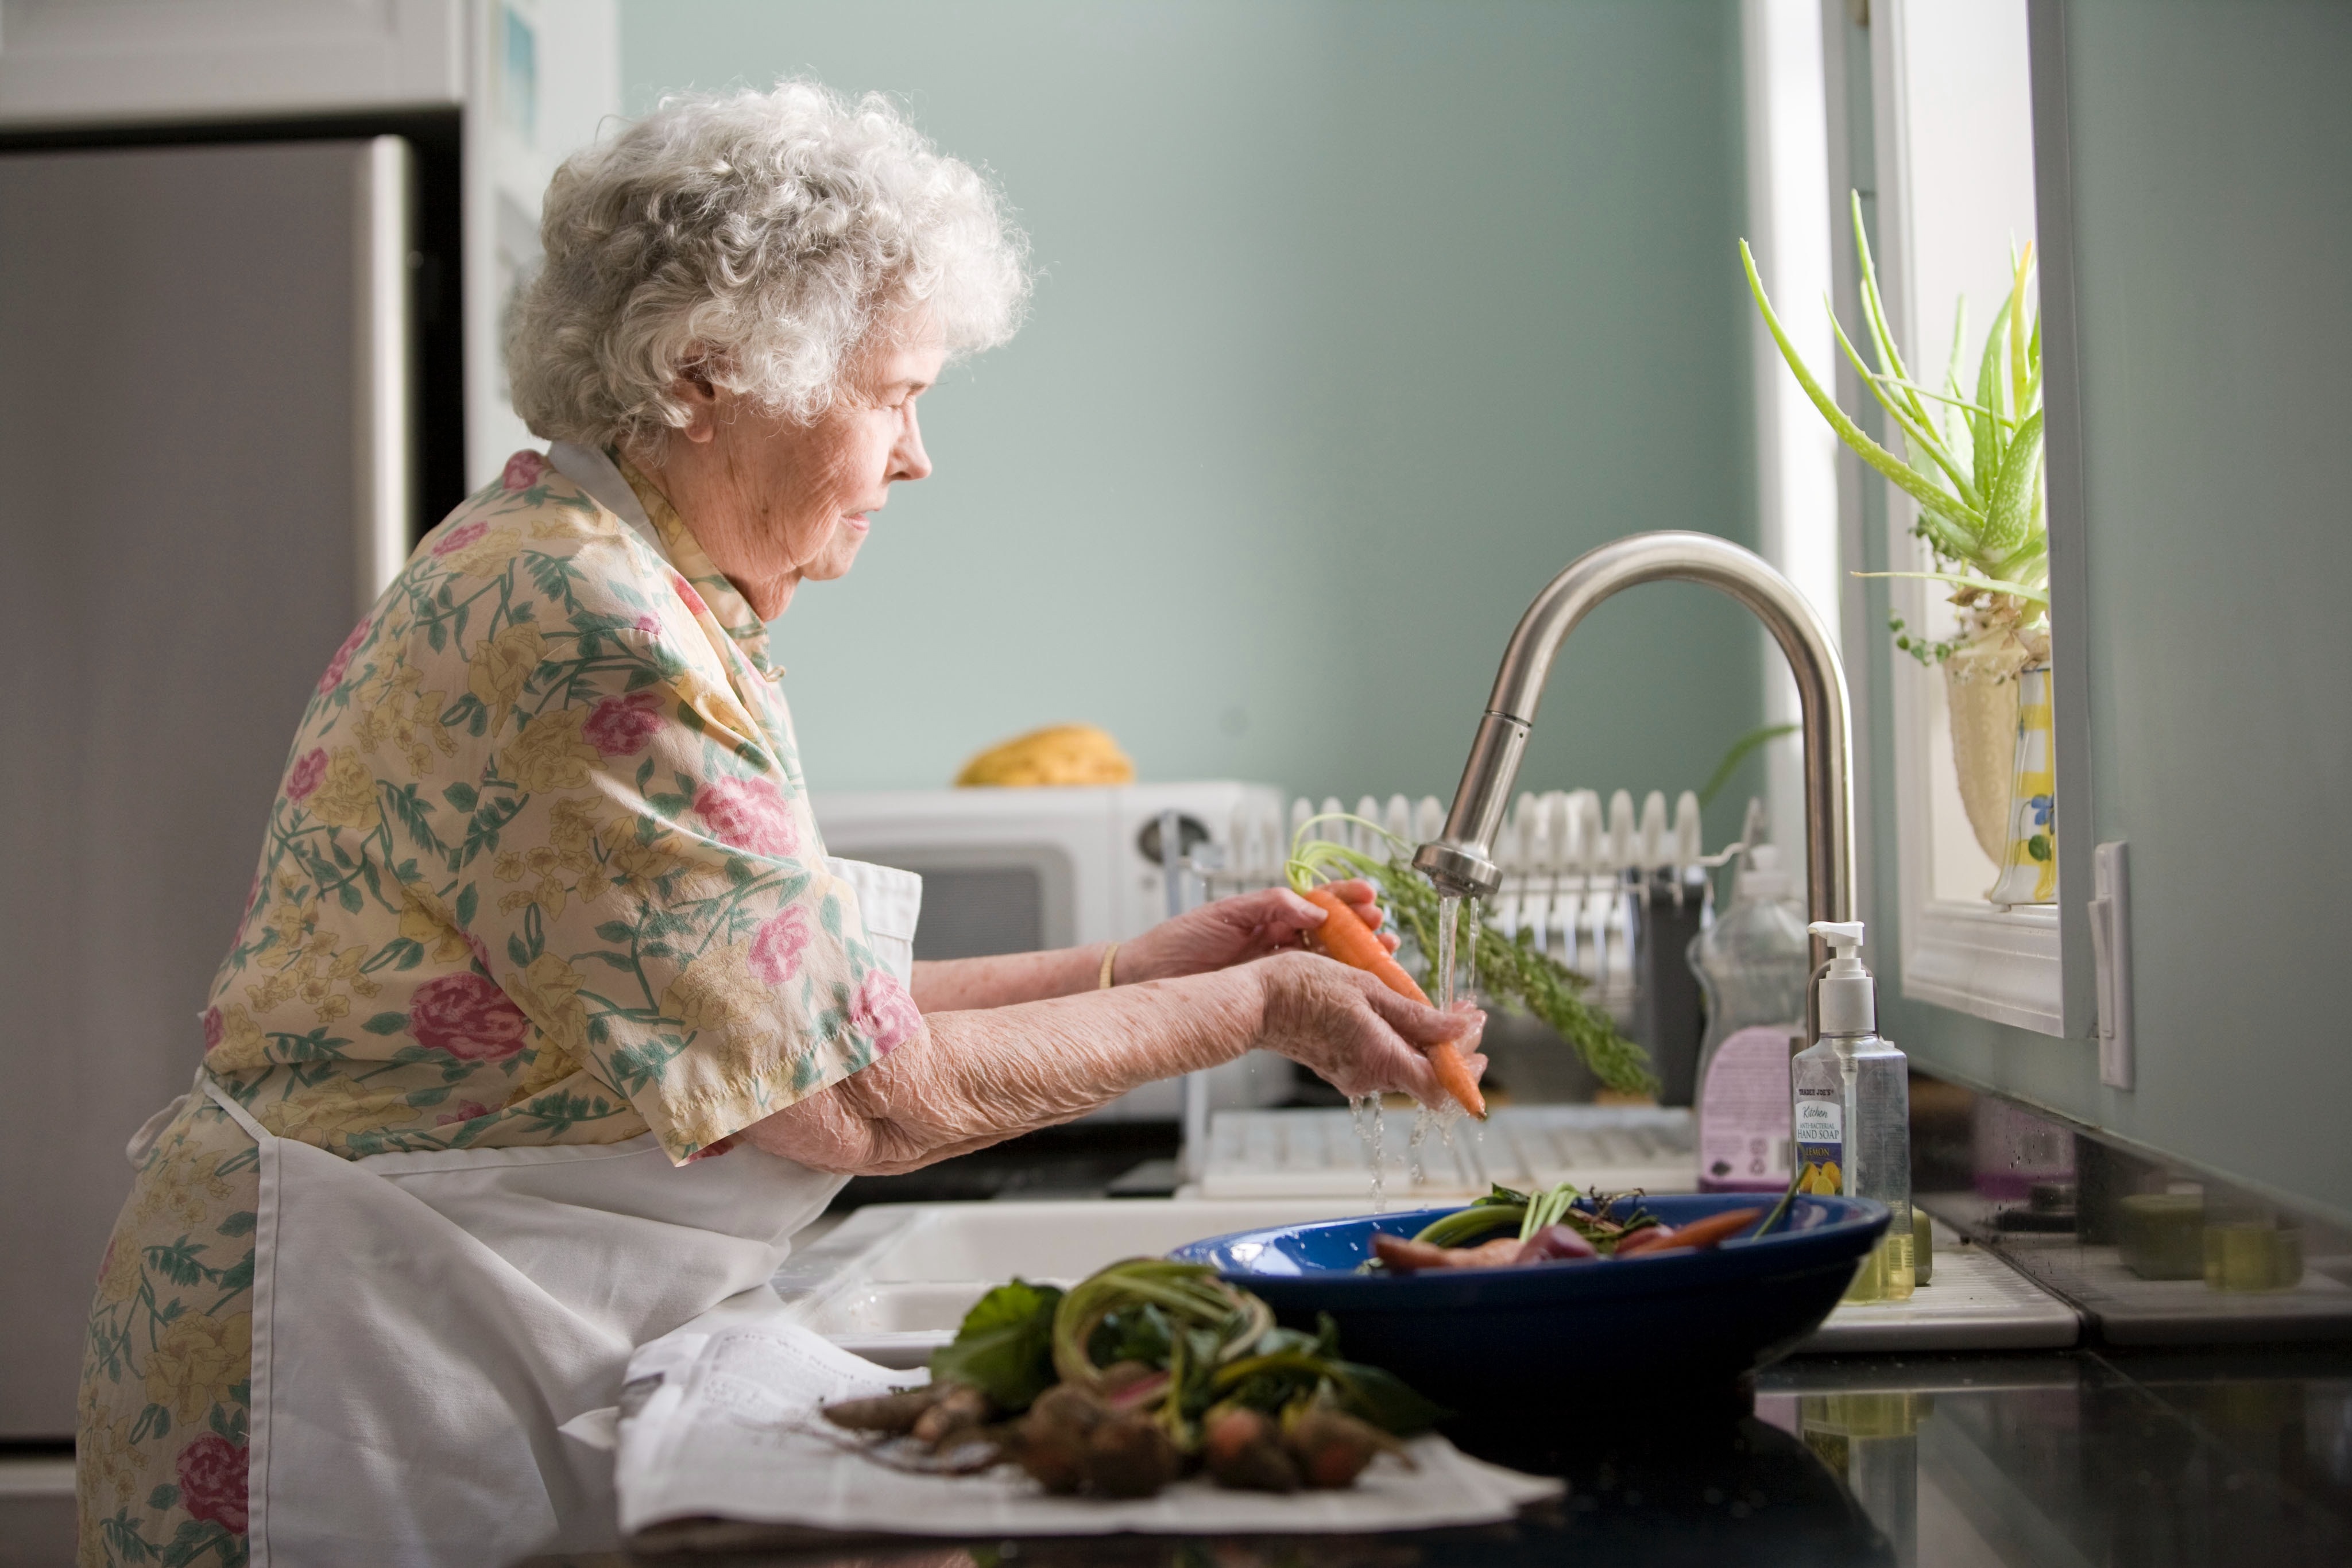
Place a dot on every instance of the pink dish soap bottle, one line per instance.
(1752, 962)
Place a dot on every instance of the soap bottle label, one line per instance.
(1743, 1113)
(1821, 1142)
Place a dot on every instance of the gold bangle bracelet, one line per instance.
(1110, 955)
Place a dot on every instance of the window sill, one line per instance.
(1991, 963)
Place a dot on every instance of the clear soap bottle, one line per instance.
(1753, 963)
(1851, 1113)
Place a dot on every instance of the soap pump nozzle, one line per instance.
(1849, 997)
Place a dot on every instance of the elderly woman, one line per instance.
(542, 925)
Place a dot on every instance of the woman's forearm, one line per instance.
(976, 1078)
(956, 985)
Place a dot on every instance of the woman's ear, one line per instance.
(693, 388)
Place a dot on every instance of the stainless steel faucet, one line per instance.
(1462, 863)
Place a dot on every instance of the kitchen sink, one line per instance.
(892, 1281)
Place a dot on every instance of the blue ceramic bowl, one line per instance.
(1485, 1338)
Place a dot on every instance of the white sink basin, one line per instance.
(893, 1280)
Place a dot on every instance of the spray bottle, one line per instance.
(1851, 1113)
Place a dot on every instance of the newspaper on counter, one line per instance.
(719, 1420)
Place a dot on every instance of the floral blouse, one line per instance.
(542, 869)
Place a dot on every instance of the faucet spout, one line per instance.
(1462, 862)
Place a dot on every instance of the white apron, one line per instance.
(423, 1324)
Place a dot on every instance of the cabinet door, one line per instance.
(186, 434)
(68, 60)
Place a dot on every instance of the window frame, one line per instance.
(2030, 967)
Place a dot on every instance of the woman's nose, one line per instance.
(908, 458)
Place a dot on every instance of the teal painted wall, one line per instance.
(2212, 167)
(1357, 320)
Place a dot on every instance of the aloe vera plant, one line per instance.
(1973, 463)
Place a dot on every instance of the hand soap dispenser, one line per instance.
(1851, 1113)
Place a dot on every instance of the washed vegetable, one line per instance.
(1133, 1377)
(1511, 973)
(1344, 936)
(1556, 1244)
(1557, 1225)
(1711, 1231)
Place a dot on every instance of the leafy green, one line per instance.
(1141, 1333)
(1384, 1399)
(1511, 972)
(1005, 1346)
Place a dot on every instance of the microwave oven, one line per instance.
(1013, 870)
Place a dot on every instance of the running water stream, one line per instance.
(1365, 1110)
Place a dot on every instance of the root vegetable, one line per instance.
(960, 1409)
(1401, 1255)
(1243, 1448)
(1711, 1231)
(1344, 936)
(1555, 1244)
(1118, 1374)
(1130, 1456)
(1332, 1447)
(1050, 1442)
(895, 1413)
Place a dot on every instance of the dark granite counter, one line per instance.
(2052, 1461)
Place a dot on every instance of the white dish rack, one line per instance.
(1319, 1154)
(1573, 874)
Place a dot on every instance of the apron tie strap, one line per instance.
(238, 1113)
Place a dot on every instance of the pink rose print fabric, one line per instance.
(213, 1482)
(620, 726)
(884, 1013)
(776, 949)
(750, 814)
(467, 1016)
(457, 538)
(307, 769)
(342, 659)
(523, 470)
(513, 891)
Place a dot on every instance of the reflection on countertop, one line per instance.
(2151, 1249)
(1912, 1462)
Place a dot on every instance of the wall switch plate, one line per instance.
(2111, 947)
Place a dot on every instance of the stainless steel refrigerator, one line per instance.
(207, 356)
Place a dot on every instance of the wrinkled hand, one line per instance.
(1355, 1033)
(1237, 930)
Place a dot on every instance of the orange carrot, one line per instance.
(1711, 1231)
(1344, 936)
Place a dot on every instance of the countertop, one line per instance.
(2051, 1458)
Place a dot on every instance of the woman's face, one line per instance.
(773, 502)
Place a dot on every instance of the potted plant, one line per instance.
(1973, 463)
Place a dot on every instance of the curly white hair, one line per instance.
(756, 239)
